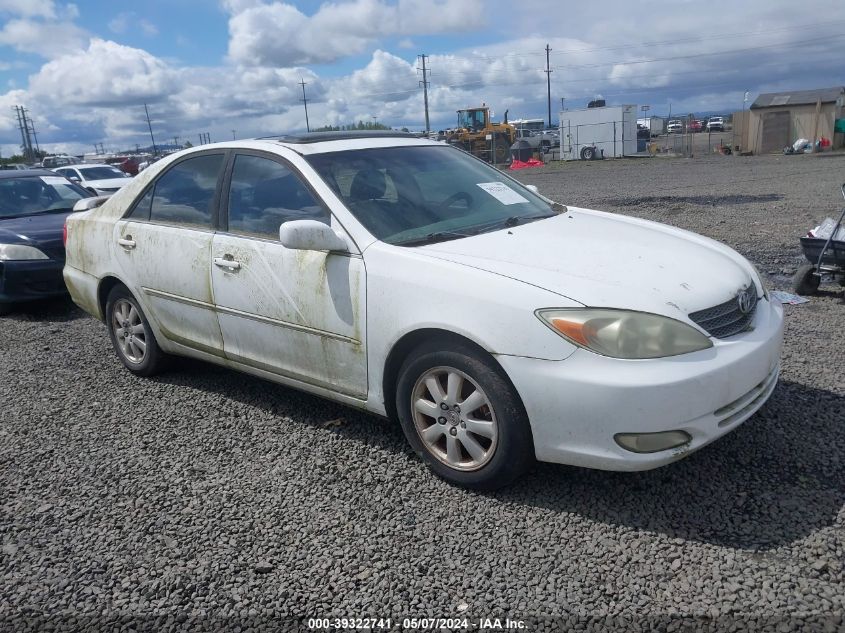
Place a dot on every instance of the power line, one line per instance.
(425, 83)
(710, 54)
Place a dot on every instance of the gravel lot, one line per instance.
(209, 499)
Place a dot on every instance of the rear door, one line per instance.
(295, 313)
(164, 248)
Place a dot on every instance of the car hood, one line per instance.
(108, 183)
(604, 260)
(43, 231)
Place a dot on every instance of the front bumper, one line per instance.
(577, 405)
(28, 280)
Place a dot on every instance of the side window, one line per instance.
(264, 194)
(141, 210)
(184, 194)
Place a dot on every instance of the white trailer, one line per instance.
(609, 132)
(656, 125)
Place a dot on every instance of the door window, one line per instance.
(185, 193)
(141, 210)
(264, 194)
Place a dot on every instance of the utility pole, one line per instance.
(424, 83)
(150, 125)
(302, 83)
(233, 135)
(35, 136)
(26, 142)
(548, 72)
(176, 141)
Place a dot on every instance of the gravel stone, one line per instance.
(144, 504)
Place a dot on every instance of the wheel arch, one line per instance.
(412, 340)
(104, 288)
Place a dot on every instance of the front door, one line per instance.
(164, 248)
(298, 314)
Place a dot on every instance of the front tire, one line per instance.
(462, 416)
(130, 333)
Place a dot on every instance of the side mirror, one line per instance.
(86, 204)
(73, 178)
(311, 235)
(533, 189)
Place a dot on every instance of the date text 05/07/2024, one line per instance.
(416, 623)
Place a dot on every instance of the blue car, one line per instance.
(33, 207)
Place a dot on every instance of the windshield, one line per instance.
(418, 193)
(101, 173)
(471, 119)
(37, 194)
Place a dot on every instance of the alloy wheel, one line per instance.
(129, 331)
(454, 418)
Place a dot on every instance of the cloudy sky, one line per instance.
(84, 69)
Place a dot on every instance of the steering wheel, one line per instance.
(461, 195)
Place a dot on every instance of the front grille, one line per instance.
(725, 319)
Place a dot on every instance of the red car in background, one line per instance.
(695, 125)
(126, 164)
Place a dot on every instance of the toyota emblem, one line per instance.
(745, 300)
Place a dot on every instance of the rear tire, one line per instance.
(805, 282)
(5, 308)
(130, 334)
(588, 153)
(462, 416)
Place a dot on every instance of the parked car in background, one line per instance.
(539, 140)
(51, 162)
(675, 127)
(14, 166)
(696, 125)
(33, 208)
(716, 124)
(410, 279)
(101, 180)
(126, 164)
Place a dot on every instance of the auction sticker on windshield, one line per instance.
(502, 192)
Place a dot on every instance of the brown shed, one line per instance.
(776, 120)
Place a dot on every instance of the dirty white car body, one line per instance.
(337, 320)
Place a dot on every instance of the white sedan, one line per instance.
(407, 278)
(101, 180)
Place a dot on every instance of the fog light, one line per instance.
(652, 442)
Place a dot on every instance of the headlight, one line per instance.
(10, 252)
(625, 334)
(760, 281)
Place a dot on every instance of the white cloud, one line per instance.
(114, 75)
(47, 39)
(279, 34)
(129, 20)
(29, 8)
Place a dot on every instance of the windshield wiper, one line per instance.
(432, 238)
(511, 221)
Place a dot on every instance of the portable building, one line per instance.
(776, 120)
(611, 131)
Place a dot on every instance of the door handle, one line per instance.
(223, 262)
(127, 242)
